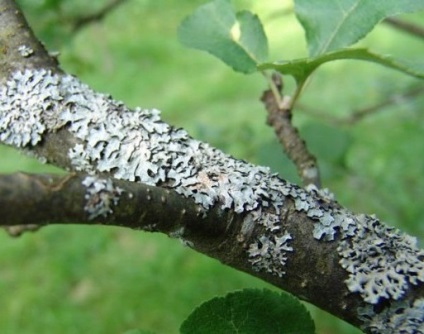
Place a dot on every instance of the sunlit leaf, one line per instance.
(336, 24)
(238, 39)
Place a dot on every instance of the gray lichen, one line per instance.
(100, 197)
(398, 318)
(269, 253)
(25, 51)
(381, 262)
(179, 234)
(22, 109)
(135, 145)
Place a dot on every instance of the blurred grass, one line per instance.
(109, 280)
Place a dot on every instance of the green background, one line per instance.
(78, 279)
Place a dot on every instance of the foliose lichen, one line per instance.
(135, 145)
(26, 101)
(381, 261)
(25, 51)
(398, 318)
(100, 197)
(269, 253)
(179, 234)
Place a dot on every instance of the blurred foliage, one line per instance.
(66, 279)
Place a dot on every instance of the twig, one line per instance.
(280, 118)
(408, 27)
(18, 230)
(394, 99)
(358, 115)
(97, 16)
(279, 14)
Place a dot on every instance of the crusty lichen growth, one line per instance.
(24, 102)
(269, 253)
(382, 262)
(25, 51)
(136, 145)
(398, 318)
(101, 196)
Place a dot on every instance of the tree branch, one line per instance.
(17, 43)
(133, 170)
(280, 118)
(85, 199)
(81, 22)
(359, 114)
(410, 28)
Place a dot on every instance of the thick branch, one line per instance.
(139, 172)
(18, 43)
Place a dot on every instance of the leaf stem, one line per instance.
(276, 91)
(299, 88)
(285, 102)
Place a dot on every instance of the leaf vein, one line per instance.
(342, 21)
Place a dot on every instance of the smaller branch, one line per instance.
(18, 230)
(30, 200)
(300, 86)
(358, 115)
(361, 113)
(280, 118)
(80, 22)
(413, 29)
(279, 13)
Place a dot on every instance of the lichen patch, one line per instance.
(269, 253)
(136, 145)
(382, 262)
(101, 196)
(399, 317)
(25, 51)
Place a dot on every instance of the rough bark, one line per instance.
(130, 169)
(280, 118)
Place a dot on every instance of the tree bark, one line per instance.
(130, 169)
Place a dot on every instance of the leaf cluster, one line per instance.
(239, 39)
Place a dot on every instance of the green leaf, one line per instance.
(238, 39)
(250, 311)
(300, 69)
(336, 24)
